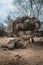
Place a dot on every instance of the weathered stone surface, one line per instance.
(16, 44)
(26, 24)
(21, 42)
(38, 39)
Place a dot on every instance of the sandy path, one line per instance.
(30, 56)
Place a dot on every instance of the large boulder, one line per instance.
(26, 24)
(15, 44)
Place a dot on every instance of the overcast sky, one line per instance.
(5, 7)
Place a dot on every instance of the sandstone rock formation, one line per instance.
(26, 24)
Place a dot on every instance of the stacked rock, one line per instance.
(26, 24)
